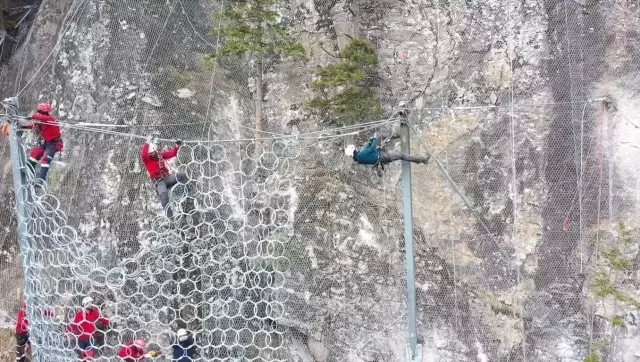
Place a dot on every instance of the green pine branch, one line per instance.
(595, 351)
(617, 321)
(345, 91)
(254, 27)
(611, 263)
(625, 233)
(602, 287)
(616, 260)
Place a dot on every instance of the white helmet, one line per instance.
(87, 301)
(152, 147)
(350, 150)
(182, 335)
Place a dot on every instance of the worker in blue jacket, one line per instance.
(371, 154)
(184, 349)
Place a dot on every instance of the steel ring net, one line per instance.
(218, 269)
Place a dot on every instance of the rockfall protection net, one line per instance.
(221, 273)
(238, 266)
(502, 91)
(218, 269)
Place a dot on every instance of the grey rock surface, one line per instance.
(503, 92)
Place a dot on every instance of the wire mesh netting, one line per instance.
(241, 223)
(282, 248)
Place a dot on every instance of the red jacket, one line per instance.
(130, 353)
(48, 126)
(156, 166)
(22, 325)
(84, 323)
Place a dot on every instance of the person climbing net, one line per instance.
(374, 154)
(47, 129)
(155, 161)
(87, 329)
(184, 348)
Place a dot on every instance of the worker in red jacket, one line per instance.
(135, 351)
(23, 345)
(49, 130)
(22, 333)
(155, 162)
(88, 327)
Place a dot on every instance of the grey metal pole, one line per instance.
(415, 351)
(18, 162)
(19, 179)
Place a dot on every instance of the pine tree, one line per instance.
(346, 91)
(254, 29)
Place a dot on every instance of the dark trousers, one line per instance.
(163, 186)
(388, 157)
(85, 349)
(22, 342)
(45, 153)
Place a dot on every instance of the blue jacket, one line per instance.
(369, 155)
(184, 351)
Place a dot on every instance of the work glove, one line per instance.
(153, 354)
(179, 142)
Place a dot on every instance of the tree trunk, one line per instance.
(260, 123)
(356, 19)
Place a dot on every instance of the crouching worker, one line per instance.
(88, 327)
(184, 349)
(136, 352)
(164, 180)
(371, 154)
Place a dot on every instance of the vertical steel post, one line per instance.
(18, 164)
(19, 179)
(414, 349)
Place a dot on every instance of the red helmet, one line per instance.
(44, 107)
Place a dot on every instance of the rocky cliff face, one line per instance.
(505, 93)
